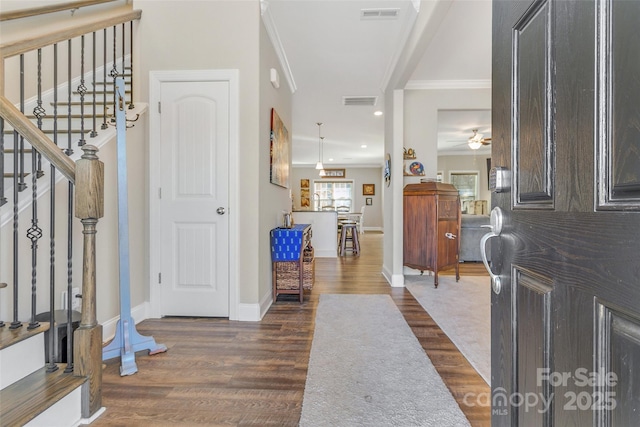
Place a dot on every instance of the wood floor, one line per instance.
(218, 372)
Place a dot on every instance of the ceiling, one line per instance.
(333, 49)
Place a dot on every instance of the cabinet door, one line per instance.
(447, 242)
(448, 231)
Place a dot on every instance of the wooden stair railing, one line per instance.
(58, 7)
(88, 176)
(23, 46)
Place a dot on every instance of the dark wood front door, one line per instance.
(566, 125)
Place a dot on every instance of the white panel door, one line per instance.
(194, 199)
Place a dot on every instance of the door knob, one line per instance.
(496, 228)
(220, 211)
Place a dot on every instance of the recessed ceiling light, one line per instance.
(363, 146)
(331, 160)
(377, 113)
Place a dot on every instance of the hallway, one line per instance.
(218, 372)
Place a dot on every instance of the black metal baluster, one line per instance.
(15, 323)
(34, 233)
(51, 367)
(82, 90)
(20, 152)
(39, 113)
(3, 199)
(69, 367)
(94, 132)
(131, 106)
(69, 150)
(124, 53)
(122, 63)
(114, 71)
(104, 80)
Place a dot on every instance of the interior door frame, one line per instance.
(156, 78)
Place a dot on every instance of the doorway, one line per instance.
(193, 140)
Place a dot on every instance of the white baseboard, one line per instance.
(249, 312)
(395, 280)
(138, 313)
(246, 313)
(326, 253)
(86, 421)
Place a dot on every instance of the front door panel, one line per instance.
(566, 325)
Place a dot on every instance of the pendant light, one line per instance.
(319, 165)
(322, 171)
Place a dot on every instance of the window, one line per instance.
(466, 183)
(332, 194)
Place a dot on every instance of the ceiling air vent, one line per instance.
(379, 13)
(359, 100)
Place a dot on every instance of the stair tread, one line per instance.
(32, 395)
(9, 336)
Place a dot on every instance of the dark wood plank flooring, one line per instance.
(218, 372)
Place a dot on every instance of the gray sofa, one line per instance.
(471, 231)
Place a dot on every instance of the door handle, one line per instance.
(220, 211)
(496, 229)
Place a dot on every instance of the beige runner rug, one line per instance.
(367, 368)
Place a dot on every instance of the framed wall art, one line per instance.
(280, 149)
(368, 189)
(334, 173)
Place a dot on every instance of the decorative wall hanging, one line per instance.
(280, 149)
(368, 189)
(387, 169)
(334, 173)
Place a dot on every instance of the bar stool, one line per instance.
(349, 233)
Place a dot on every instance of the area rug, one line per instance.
(367, 368)
(463, 312)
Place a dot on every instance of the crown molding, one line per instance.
(447, 84)
(269, 24)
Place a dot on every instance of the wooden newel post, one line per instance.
(89, 207)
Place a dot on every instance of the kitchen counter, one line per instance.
(324, 224)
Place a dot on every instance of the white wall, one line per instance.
(226, 35)
(216, 35)
(273, 199)
(359, 176)
(421, 118)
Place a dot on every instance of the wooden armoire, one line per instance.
(431, 227)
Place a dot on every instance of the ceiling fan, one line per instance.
(476, 141)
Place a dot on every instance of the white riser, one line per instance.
(21, 359)
(66, 412)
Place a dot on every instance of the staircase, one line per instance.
(29, 394)
(58, 142)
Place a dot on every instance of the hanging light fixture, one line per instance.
(322, 171)
(475, 142)
(319, 165)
